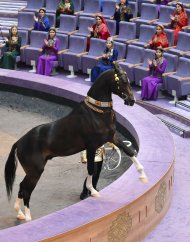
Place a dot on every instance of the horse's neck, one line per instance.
(101, 90)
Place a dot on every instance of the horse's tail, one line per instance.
(10, 169)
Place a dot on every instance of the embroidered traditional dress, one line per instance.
(123, 14)
(100, 31)
(42, 24)
(45, 61)
(160, 40)
(12, 51)
(64, 8)
(104, 64)
(177, 24)
(150, 83)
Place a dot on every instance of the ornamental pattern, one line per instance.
(160, 197)
(120, 228)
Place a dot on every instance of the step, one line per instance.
(185, 104)
(175, 125)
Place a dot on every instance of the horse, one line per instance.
(91, 124)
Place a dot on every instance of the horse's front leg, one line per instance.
(131, 153)
(90, 168)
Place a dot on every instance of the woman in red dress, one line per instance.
(159, 39)
(179, 20)
(99, 29)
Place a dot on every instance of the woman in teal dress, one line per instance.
(64, 7)
(13, 44)
(110, 54)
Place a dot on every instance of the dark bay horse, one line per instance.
(90, 125)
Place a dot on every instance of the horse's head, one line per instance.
(122, 87)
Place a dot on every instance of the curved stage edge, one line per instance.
(127, 209)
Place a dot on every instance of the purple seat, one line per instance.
(164, 18)
(77, 48)
(179, 83)
(135, 56)
(134, 8)
(187, 28)
(170, 36)
(172, 61)
(121, 48)
(78, 5)
(149, 14)
(143, 70)
(24, 36)
(97, 47)
(111, 26)
(146, 33)
(182, 47)
(51, 6)
(25, 20)
(68, 24)
(108, 8)
(84, 23)
(32, 52)
(34, 5)
(91, 7)
(127, 31)
(52, 18)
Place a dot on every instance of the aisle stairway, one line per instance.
(8, 15)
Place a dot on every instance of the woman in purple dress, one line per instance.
(156, 68)
(50, 54)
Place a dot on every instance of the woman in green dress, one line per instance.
(64, 7)
(13, 44)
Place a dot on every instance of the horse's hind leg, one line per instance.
(17, 206)
(131, 153)
(90, 168)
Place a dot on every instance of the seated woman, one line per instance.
(159, 39)
(123, 12)
(110, 54)
(50, 50)
(156, 68)
(99, 29)
(13, 44)
(41, 22)
(64, 7)
(179, 20)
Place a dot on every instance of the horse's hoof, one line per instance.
(95, 194)
(21, 216)
(28, 218)
(143, 179)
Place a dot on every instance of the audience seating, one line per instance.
(25, 20)
(146, 33)
(97, 47)
(91, 8)
(51, 6)
(68, 24)
(164, 18)
(127, 32)
(172, 62)
(77, 48)
(182, 47)
(84, 23)
(111, 26)
(34, 5)
(143, 70)
(149, 14)
(32, 51)
(108, 8)
(170, 36)
(134, 58)
(178, 83)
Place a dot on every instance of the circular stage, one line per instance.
(127, 209)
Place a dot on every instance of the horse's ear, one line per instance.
(117, 67)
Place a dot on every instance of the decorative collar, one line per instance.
(98, 103)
